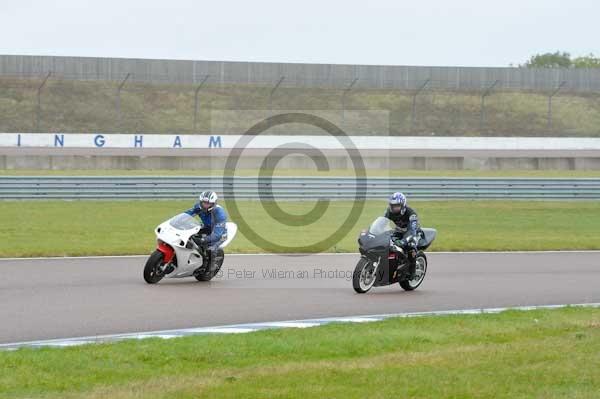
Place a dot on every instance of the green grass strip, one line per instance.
(75, 228)
(515, 354)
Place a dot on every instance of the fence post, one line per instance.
(413, 118)
(118, 99)
(550, 102)
(196, 99)
(486, 93)
(273, 91)
(344, 93)
(38, 110)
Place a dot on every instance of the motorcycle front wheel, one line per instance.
(152, 273)
(364, 276)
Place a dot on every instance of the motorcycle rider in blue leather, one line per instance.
(213, 217)
(408, 231)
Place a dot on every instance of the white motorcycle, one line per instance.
(177, 256)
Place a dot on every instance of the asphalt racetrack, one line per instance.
(71, 297)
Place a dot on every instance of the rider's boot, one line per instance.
(412, 263)
(412, 268)
(208, 255)
(205, 253)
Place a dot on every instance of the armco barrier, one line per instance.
(292, 188)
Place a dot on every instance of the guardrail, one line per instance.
(292, 188)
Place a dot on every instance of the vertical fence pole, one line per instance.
(118, 98)
(273, 91)
(486, 93)
(550, 102)
(413, 119)
(196, 99)
(38, 109)
(344, 94)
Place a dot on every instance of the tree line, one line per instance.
(561, 60)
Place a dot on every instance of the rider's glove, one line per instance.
(200, 241)
(413, 240)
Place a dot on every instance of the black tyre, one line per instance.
(216, 263)
(364, 276)
(420, 271)
(152, 273)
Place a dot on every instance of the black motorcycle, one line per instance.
(383, 263)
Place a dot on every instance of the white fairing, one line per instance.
(231, 231)
(176, 232)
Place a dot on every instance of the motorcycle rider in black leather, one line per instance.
(408, 231)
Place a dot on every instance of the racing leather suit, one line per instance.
(213, 225)
(407, 224)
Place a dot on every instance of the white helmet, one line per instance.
(397, 203)
(209, 197)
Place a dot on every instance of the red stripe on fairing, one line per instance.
(167, 251)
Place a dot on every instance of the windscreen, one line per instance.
(380, 225)
(183, 221)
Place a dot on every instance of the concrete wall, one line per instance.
(382, 161)
(41, 151)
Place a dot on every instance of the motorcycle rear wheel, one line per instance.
(420, 271)
(212, 271)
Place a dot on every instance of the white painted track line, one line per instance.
(252, 327)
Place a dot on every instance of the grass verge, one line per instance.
(75, 228)
(535, 354)
(89, 106)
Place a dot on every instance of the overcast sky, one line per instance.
(417, 32)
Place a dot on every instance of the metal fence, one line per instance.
(288, 188)
(300, 75)
(49, 103)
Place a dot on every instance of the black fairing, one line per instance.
(375, 244)
(428, 237)
(377, 249)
